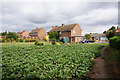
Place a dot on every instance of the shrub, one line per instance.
(115, 42)
(8, 39)
(17, 40)
(21, 40)
(36, 42)
(40, 43)
(12, 39)
(72, 42)
(2, 40)
(27, 40)
(60, 43)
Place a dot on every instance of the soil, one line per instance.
(105, 69)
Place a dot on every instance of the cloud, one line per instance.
(18, 16)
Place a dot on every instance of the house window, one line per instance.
(73, 31)
(77, 39)
(60, 32)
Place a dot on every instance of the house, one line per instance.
(24, 33)
(70, 33)
(2, 37)
(38, 33)
(98, 37)
(117, 31)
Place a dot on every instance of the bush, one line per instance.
(2, 40)
(40, 43)
(8, 39)
(60, 43)
(115, 42)
(21, 40)
(12, 39)
(36, 42)
(27, 40)
(17, 40)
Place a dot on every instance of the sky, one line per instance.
(93, 17)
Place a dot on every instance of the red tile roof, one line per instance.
(63, 28)
(117, 30)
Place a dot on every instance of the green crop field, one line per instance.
(48, 61)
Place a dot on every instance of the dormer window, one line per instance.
(73, 31)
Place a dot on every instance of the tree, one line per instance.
(88, 36)
(4, 33)
(112, 28)
(109, 34)
(104, 32)
(53, 35)
(12, 35)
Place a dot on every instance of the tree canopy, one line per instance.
(88, 36)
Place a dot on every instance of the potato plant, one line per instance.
(47, 61)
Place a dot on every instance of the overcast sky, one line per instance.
(93, 17)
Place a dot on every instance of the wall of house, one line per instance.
(64, 34)
(25, 33)
(42, 33)
(78, 31)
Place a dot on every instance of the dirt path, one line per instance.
(101, 69)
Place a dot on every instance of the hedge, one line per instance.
(115, 42)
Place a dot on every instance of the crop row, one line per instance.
(48, 61)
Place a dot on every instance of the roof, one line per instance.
(117, 30)
(35, 30)
(63, 28)
(98, 35)
(21, 32)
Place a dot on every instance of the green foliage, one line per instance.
(36, 42)
(40, 43)
(53, 35)
(12, 39)
(109, 34)
(2, 40)
(17, 40)
(30, 40)
(60, 43)
(4, 33)
(12, 35)
(8, 40)
(48, 61)
(21, 40)
(115, 42)
(88, 36)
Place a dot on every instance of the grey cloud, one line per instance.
(21, 16)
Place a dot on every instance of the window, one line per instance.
(78, 39)
(60, 32)
(73, 31)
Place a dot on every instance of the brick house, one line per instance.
(117, 31)
(98, 37)
(38, 33)
(24, 33)
(72, 32)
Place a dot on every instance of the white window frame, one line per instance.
(73, 31)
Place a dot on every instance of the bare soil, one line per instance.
(105, 69)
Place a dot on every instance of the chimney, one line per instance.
(52, 26)
(62, 24)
